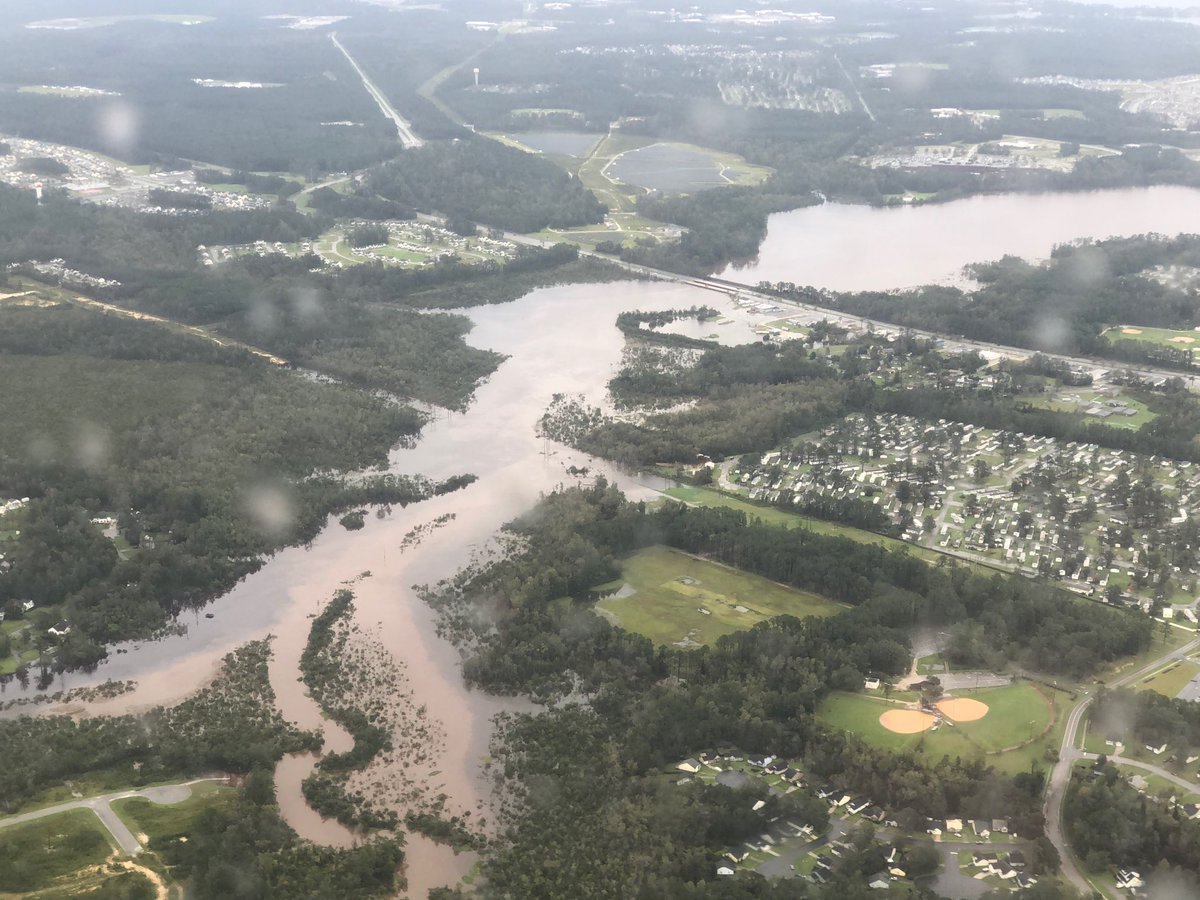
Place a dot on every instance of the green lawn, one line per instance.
(671, 588)
(1015, 712)
(34, 854)
(1168, 337)
(1169, 681)
(162, 820)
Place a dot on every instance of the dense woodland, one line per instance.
(481, 180)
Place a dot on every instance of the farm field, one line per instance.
(1014, 713)
(662, 592)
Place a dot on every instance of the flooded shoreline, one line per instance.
(557, 340)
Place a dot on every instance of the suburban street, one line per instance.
(1060, 775)
(164, 795)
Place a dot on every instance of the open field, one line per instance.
(679, 599)
(33, 855)
(1166, 337)
(1015, 713)
(1169, 681)
(553, 143)
(156, 820)
(682, 168)
(1119, 410)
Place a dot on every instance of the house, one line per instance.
(1157, 751)
(691, 766)
(954, 826)
(1191, 810)
(896, 872)
(1000, 825)
(1128, 878)
(758, 761)
(1016, 859)
(879, 881)
(737, 856)
(26, 605)
(857, 806)
(778, 767)
(871, 684)
(980, 827)
(874, 813)
(758, 804)
(60, 629)
(724, 870)
(984, 860)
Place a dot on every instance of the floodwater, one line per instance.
(862, 248)
(560, 339)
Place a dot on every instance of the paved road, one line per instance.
(129, 844)
(1189, 786)
(408, 137)
(949, 343)
(1060, 775)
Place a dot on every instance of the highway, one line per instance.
(1068, 755)
(408, 137)
(950, 343)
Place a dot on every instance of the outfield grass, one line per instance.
(1167, 337)
(670, 588)
(34, 854)
(157, 820)
(1170, 680)
(1014, 713)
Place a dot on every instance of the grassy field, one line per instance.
(166, 820)
(671, 588)
(1170, 680)
(34, 854)
(1181, 340)
(1015, 712)
(1077, 401)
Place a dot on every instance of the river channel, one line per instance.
(560, 339)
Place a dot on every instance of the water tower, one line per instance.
(37, 189)
(476, 71)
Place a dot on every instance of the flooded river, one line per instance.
(860, 248)
(558, 340)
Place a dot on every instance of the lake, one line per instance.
(858, 248)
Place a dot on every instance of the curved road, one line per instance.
(164, 795)
(1060, 776)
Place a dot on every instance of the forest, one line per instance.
(1085, 287)
(587, 776)
(1110, 824)
(481, 180)
(246, 851)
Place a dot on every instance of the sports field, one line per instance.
(673, 598)
(1167, 337)
(1014, 713)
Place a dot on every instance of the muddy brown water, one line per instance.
(863, 248)
(559, 339)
